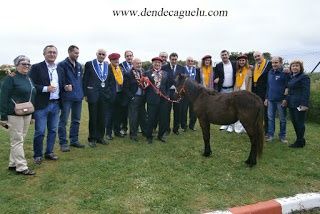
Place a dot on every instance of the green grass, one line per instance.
(124, 177)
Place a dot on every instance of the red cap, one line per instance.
(156, 59)
(206, 57)
(114, 56)
(243, 56)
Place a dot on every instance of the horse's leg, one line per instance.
(205, 126)
(252, 159)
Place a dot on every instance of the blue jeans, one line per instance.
(47, 117)
(75, 108)
(272, 108)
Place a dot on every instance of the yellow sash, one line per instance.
(117, 74)
(240, 76)
(206, 75)
(258, 70)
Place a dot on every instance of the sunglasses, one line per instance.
(25, 64)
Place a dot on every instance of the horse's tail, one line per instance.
(260, 130)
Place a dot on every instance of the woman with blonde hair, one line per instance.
(207, 73)
(243, 82)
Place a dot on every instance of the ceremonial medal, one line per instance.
(103, 84)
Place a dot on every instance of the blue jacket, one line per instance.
(70, 75)
(277, 84)
(299, 90)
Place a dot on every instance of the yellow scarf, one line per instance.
(117, 74)
(258, 70)
(240, 76)
(206, 75)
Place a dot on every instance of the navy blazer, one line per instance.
(219, 73)
(40, 77)
(260, 87)
(92, 85)
(172, 75)
(130, 86)
(299, 90)
(151, 96)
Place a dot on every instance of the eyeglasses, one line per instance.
(25, 64)
(101, 54)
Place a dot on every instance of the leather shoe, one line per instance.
(162, 139)
(64, 148)
(102, 141)
(77, 145)
(295, 145)
(109, 137)
(119, 135)
(192, 129)
(12, 168)
(176, 132)
(51, 156)
(92, 144)
(149, 140)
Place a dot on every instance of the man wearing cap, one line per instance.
(260, 80)
(118, 103)
(173, 69)
(126, 67)
(157, 105)
(226, 72)
(97, 91)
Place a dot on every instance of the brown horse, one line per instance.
(224, 109)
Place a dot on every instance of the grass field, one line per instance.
(126, 177)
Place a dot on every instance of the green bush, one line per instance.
(313, 114)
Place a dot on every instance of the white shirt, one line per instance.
(228, 75)
(54, 81)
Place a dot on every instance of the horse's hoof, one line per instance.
(207, 154)
(250, 163)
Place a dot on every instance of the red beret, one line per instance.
(114, 56)
(206, 57)
(156, 59)
(243, 56)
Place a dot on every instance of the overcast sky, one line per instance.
(274, 26)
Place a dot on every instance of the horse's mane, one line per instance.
(196, 89)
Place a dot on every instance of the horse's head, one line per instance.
(180, 84)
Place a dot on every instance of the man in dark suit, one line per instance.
(135, 95)
(97, 88)
(173, 69)
(157, 105)
(46, 81)
(192, 73)
(260, 80)
(225, 76)
(126, 67)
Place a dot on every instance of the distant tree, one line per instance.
(146, 65)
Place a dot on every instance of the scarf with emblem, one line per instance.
(157, 76)
(258, 70)
(117, 74)
(240, 76)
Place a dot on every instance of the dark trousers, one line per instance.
(108, 118)
(124, 118)
(192, 116)
(97, 112)
(137, 115)
(117, 116)
(298, 120)
(153, 111)
(184, 105)
(176, 116)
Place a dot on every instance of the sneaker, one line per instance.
(51, 156)
(224, 127)
(77, 145)
(269, 139)
(64, 148)
(283, 140)
(37, 160)
(27, 172)
(230, 129)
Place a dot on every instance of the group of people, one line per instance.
(118, 98)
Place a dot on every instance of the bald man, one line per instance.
(260, 79)
(135, 95)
